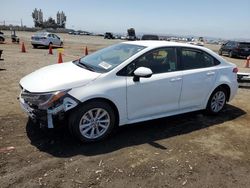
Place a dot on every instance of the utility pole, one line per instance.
(21, 23)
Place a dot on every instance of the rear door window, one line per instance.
(244, 45)
(194, 59)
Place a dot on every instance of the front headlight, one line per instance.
(43, 100)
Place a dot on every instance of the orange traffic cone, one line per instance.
(50, 50)
(86, 51)
(23, 48)
(60, 58)
(247, 62)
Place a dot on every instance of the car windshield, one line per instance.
(108, 58)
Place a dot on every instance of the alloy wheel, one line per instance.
(94, 123)
(218, 101)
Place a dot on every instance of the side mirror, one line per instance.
(142, 72)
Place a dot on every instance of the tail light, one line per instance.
(235, 70)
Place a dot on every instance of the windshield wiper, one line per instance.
(84, 65)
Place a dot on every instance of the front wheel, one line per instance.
(1, 39)
(220, 52)
(217, 101)
(50, 44)
(231, 55)
(92, 122)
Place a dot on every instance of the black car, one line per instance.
(150, 37)
(235, 49)
(109, 35)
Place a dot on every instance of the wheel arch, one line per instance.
(217, 106)
(112, 104)
(227, 88)
(224, 86)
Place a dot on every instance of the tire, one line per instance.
(50, 44)
(34, 46)
(85, 125)
(220, 52)
(61, 44)
(1, 39)
(217, 101)
(231, 55)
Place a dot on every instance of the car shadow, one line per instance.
(47, 47)
(59, 142)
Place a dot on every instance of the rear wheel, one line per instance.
(34, 46)
(217, 101)
(92, 122)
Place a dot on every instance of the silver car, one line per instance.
(45, 39)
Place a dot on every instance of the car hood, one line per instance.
(57, 77)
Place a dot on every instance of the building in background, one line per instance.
(61, 19)
(37, 16)
(60, 22)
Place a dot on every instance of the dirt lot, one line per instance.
(191, 150)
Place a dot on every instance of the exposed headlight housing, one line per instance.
(43, 100)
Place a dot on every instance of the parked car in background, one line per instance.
(199, 42)
(235, 49)
(2, 37)
(45, 39)
(127, 83)
(109, 35)
(131, 34)
(150, 37)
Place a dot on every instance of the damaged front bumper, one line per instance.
(47, 116)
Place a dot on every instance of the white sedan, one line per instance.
(45, 39)
(127, 83)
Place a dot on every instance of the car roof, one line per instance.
(244, 42)
(41, 33)
(160, 43)
(238, 41)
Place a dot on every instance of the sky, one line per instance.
(209, 18)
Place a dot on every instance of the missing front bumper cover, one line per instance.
(67, 104)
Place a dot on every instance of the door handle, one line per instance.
(175, 79)
(210, 73)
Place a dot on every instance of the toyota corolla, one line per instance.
(127, 83)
